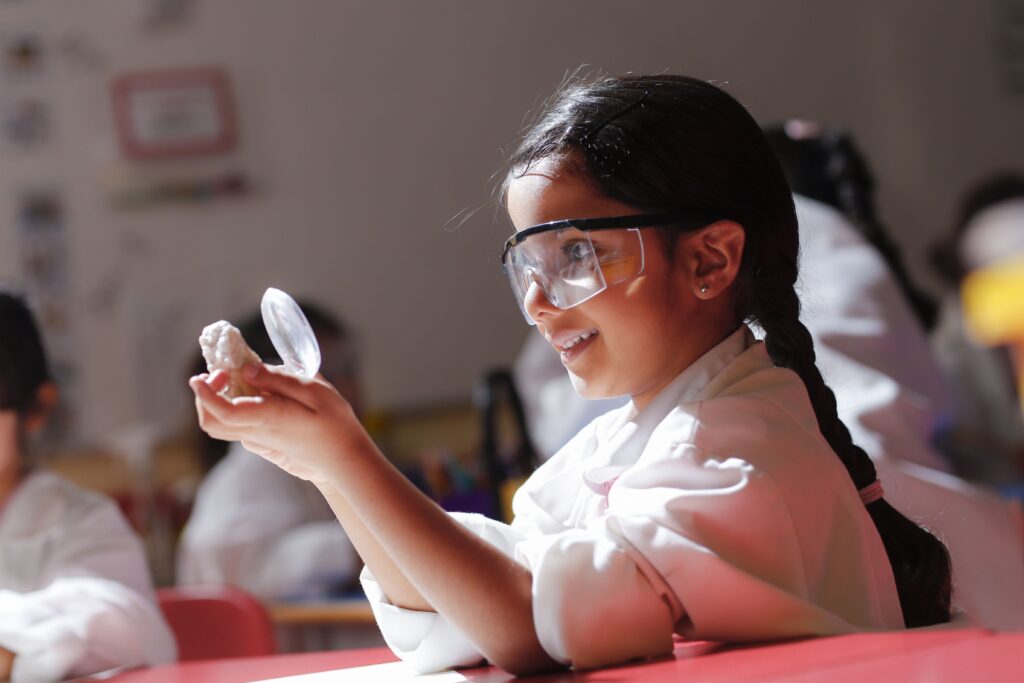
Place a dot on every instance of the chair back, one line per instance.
(496, 396)
(214, 622)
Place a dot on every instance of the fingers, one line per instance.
(275, 380)
(220, 414)
(212, 425)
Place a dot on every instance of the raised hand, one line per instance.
(304, 427)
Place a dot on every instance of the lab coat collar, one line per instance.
(624, 438)
(689, 384)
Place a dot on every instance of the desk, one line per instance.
(333, 612)
(905, 656)
(324, 624)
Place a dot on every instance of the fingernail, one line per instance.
(250, 371)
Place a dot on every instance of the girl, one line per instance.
(725, 501)
(75, 592)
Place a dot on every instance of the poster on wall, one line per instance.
(174, 113)
(44, 264)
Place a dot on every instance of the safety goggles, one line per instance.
(574, 260)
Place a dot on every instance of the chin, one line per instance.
(589, 389)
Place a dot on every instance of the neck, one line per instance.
(713, 338)
(8, 482)
(10, 454)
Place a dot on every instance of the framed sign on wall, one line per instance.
(174, 113)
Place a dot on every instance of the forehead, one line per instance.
(547, 193)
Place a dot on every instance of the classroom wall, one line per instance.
(374, 132)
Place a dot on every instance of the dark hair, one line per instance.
(23, 364)
(826, 165)
(664, 143)
(252, 329)
(996, 189)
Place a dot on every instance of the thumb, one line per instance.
(276, 380)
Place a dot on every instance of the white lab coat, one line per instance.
(75, 593)
(718, 512)
(255, 526)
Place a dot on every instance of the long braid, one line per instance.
(790, 345)
(913, 552)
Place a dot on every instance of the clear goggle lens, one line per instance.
(570, 266)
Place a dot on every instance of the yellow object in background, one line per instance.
(993, 300)
(507, 491)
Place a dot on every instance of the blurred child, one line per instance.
(255, 526)
(75, 593)
(986, 437)
(867, 318)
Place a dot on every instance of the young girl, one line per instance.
(726, 501)
(75, 592)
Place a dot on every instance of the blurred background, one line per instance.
(162, 162)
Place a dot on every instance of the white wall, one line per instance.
(369, 124)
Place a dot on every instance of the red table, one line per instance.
(906, 656)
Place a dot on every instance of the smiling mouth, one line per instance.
(577, 340)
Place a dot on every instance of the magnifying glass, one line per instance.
(290, 333)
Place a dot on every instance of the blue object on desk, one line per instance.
(1014, 491)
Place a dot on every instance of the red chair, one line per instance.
(214, 622)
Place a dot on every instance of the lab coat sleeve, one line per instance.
(426, 640)
(593, 605)
(251, 527)
(690, 541)
(96, 612)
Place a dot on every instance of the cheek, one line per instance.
(634, 336)
(647, 339)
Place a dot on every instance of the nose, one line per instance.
(536, 302)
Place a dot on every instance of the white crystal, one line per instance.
(225, 349)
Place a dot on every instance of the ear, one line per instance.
(713, 255)
(47, 397)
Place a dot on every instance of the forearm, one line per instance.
(392, 580)
(6, 663)
(306, 429)
(442, 565)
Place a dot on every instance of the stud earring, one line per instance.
(704, 288)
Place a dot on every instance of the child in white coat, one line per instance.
(75, 592)
(726, 501)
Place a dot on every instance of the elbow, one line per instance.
(527, 667)
(523, 659)
(531, 670)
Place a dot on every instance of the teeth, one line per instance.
(576, 340)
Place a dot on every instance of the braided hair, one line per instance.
(23, 364)
(664, 143)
